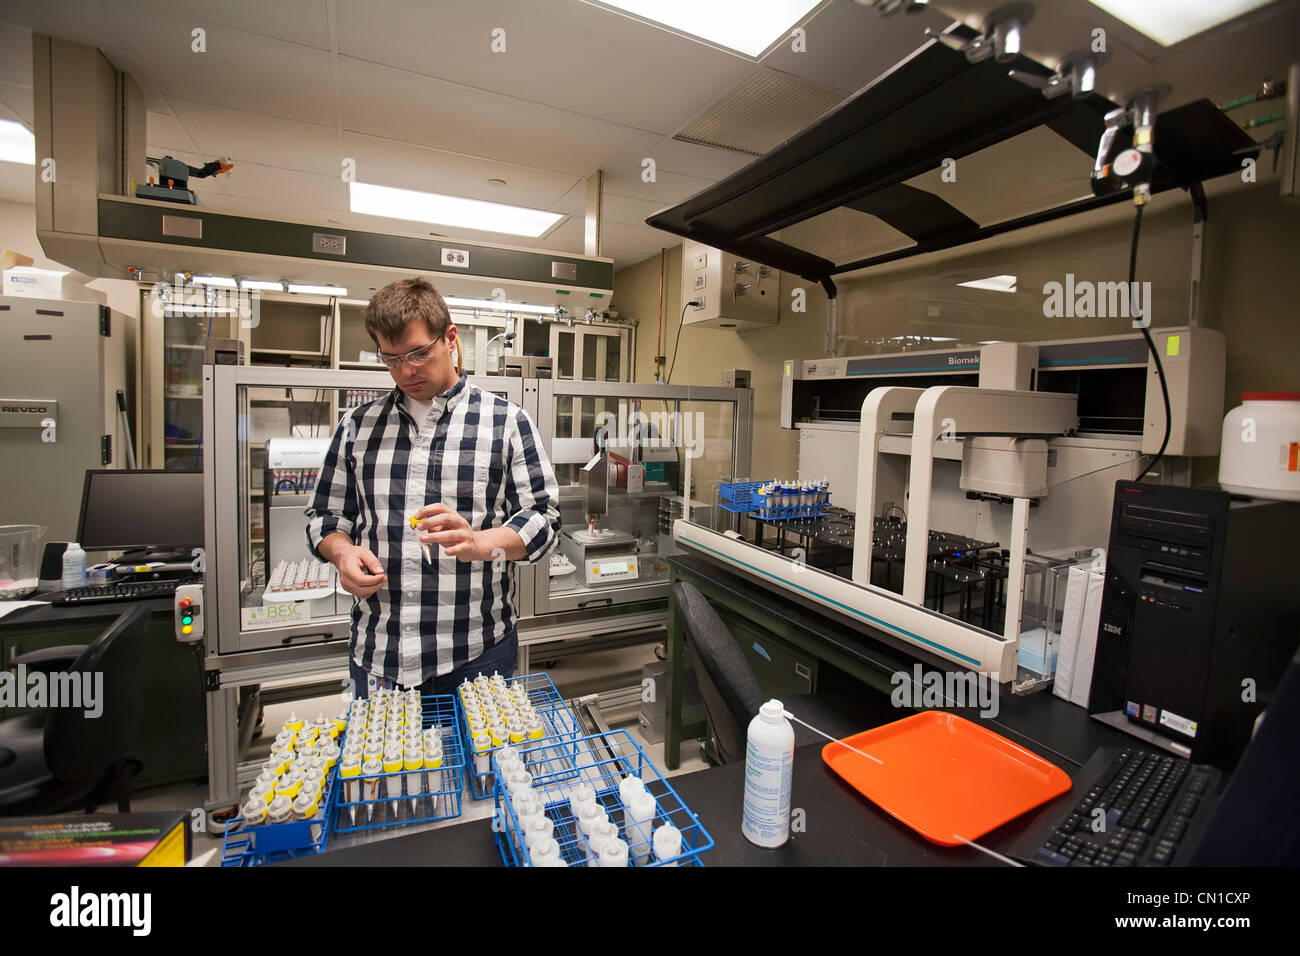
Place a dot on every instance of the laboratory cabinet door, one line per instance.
(589, 353)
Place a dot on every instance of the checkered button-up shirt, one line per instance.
(480, 455)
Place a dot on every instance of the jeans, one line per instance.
(500, 657)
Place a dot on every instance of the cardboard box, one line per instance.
(34, 283)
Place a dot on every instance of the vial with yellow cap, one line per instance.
(482, 757)
(253, 812)
(294, 722)
(412, 763)
(371, 771)
(433, 784)
(305, 808)
(350, 776)
(289, 784)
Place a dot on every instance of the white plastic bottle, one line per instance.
(74, 567)
(769, 766)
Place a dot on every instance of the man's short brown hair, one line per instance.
(402, 302)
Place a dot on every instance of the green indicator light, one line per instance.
(187, 620)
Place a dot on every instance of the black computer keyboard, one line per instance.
(1149, 800)
(120, 591)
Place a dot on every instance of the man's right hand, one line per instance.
(360, 572)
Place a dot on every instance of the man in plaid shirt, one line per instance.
(470, 468)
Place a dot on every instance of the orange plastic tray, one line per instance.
(945, 776)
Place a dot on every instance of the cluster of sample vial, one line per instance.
(294, 781)
(293, 481)
(497, 712)
(392, 768)
(616, 836)
(307, 574)
(352, 397)
(792, 494)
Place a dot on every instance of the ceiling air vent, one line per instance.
(761, 113)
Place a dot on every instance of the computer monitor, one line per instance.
(1256, 823)
(141, 510)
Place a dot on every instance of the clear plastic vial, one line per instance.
(769, 764)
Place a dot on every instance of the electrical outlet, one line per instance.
(701, 261)
(329, 244)
(456, 258)
(700, 280)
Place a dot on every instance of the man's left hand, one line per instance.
(440, 525)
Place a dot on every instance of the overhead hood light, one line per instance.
(412, 204)
(496, 305)
(221, 282)
(261, 285)
(992, 284)
(1169, 21)
(318, 290)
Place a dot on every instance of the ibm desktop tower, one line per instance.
(1200, 614)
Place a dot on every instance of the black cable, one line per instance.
(676, 342)
(1155, 353)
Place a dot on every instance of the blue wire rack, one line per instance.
(244, 845)
(560, 729)
(742, 497)
(604, 760)
(738, 496)
(409, 796)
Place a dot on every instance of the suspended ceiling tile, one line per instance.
(166, 131)
(276, 184)
(400, 105)
(239, 70)
(627, 244)
(17, 182)
(707, 162)
(562, 53)
(81, 21)
(667, 189)
(18, 99)
(298, 21)
(625, 209)
(15, 54)
(569, 236)
(849, 45)
(407, 166)
(258, 138)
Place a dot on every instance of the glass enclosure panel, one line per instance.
(564, 353)
(622, 464)
(283, 436)
(613, 358)
(183, 351)
(590, 346)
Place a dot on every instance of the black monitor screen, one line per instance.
(122, 510)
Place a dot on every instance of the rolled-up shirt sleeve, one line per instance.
(532, 493)
(335, 505)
